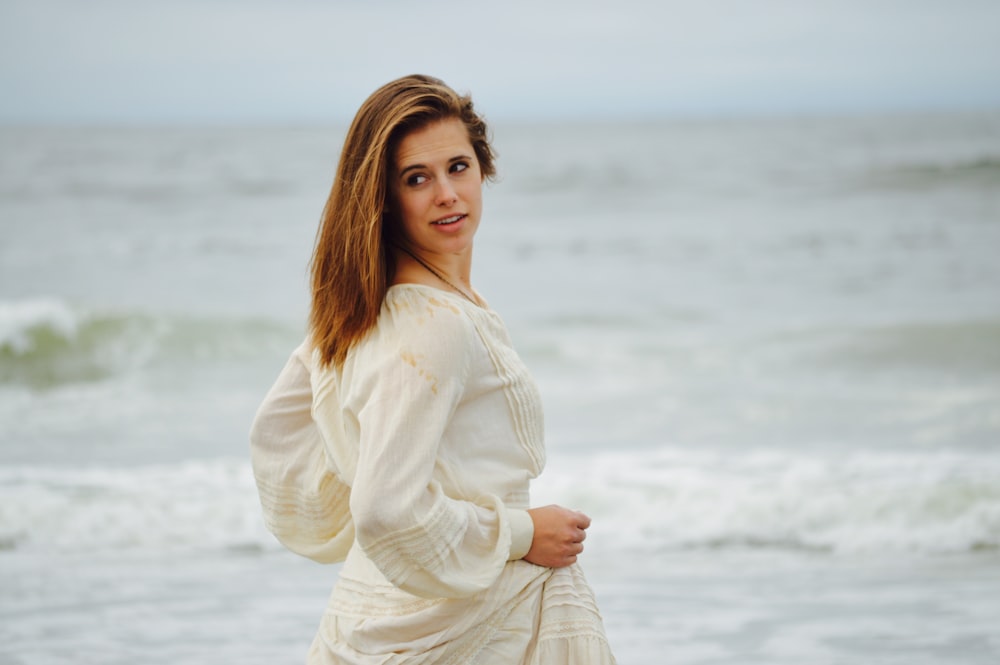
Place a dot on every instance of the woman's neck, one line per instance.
(448, 272)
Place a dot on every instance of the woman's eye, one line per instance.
(415, 180)
(458, 167)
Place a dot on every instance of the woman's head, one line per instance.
(353, 259)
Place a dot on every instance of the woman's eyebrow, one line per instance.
(456, 158)
(411, 167)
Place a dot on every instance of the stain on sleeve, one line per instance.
(413, 360)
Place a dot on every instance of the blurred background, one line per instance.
(751, 253)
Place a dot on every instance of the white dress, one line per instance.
(411, 463)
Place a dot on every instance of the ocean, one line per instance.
(769, 352)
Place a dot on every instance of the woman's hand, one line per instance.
(559, 536)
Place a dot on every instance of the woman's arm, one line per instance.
(305, 505)
(408, 382)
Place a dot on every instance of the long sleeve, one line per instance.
(405, 386)
(305, 504)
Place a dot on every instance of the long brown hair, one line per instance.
(353, 262)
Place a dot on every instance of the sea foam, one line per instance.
(653, 502)
(23, 324)
(195, 505)
(859, 502)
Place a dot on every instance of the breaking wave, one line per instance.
(924, 504)
(860, 502)
(46, 343)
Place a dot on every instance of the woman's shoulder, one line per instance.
(419, 314)
(418, 325)
(408, 300)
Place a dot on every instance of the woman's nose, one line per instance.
(446, 193)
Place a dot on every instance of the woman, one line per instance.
(402, 435)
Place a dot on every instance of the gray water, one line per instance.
(769, 352)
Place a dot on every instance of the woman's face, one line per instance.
(437, 188)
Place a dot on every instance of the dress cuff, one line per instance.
(522, 532)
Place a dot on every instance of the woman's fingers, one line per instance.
(559, 536)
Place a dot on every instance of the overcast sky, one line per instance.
(309, 61)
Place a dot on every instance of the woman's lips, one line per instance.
(448, 221)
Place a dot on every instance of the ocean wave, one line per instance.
(962, 348)
(194, 505)
(976, 171)
(46, 343)
(581, 178)
(653, 502)
(966, 348)
(858, 503)
(146, 193)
